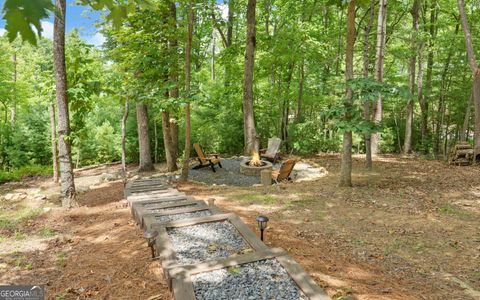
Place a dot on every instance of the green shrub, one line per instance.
(24, 172)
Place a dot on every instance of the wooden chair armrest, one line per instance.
(263, 150)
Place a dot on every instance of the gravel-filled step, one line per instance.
(197, 243)
(182, 216)
(153, 205)
(264, 279)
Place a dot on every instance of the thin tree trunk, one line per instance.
(174, 92)
(155, 142)
(188, 51)
(250, 134)
(366, 104)
(298, 117)
(212, 62)
(143, 139)
(124, 136)
(441, 98)
(167, 140)
(476, 76)
(64, 147)
(466, 120)
(53, 129)
(346, 165)
(379, 58)
(420, 95)
(77, 163)
(14, 106)
(407, 143)
(428, 86)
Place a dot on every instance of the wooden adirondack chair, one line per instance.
(272, 152)
(206, 160)
(284, 172)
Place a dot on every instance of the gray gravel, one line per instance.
(153, 209)
(201, 242)
(160, 202)
(229, 174)
(265, 279)
(181, 216)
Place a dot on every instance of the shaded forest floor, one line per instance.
(408, 230)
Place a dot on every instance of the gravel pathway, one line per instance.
(229, 174)
(181, 216)
(201, 242)
(265, 279)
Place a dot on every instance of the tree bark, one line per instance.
(188, 52)
(143, 139)
(53, 128)
(379, 58)
(298, 116)
(476, 76)
(250, 134)
(174, 92)
(64, 145)
(124, 135)
(167, 140)
(346, 165)
(428, 86)
(366, 104)
(407, 143)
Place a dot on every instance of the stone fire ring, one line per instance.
(245, 169)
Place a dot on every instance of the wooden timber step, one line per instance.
(153, 202)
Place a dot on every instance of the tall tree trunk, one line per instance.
(407, 144)
(476, 76)
(298, 116)
(155, 142)
(124, 137)
(143, 139)
(212, 62)
(346, 166)
(420, 95)
(379, 58)
(167, 140)
(53, 129)
(174, 92)
(188, 51)
(14, 106)
(466, 120)
(441, 98)
(64, 147)
(231, 11)
(366, 104)
(250, 134)
(428, 86)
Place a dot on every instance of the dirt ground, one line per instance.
(410, 229)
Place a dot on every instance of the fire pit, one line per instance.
(254, 166)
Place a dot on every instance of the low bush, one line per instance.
(25, 172)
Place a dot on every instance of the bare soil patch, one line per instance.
(407, 230)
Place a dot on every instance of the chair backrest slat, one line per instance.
(286, 169)
(199, 151)
(273, 146)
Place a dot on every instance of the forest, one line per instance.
(351, 85)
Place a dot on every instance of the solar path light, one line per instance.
(150, 236)
(262, 224)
